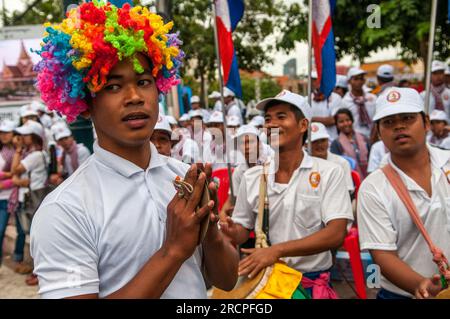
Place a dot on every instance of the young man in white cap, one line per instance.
(438, 135)
(185, 120)
(440, 94)
(341, 87)
(447, 76)
(309, 209)
(73, 154)
(385, 78)
(386, 228)
(215, 151)
(320, 142)
(172, 122)
(360, 103)
(232, 106)
(161, 136)
(215, 99)
(196, 108)
(323, 108)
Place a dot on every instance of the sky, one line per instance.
(300, 52)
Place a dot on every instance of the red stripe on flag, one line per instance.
(226, 48)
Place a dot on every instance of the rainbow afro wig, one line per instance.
(78, 54)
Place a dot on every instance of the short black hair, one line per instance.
(297, 113)
(385, 79)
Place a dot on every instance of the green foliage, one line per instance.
(403, 22)
(37, 12)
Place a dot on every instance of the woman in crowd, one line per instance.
(349, 142)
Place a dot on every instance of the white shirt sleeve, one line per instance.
(243, 213)
(83, 153)
(64, 252)
(32, 161)
(376, 230)
(336, 202)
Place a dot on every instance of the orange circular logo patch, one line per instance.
(446, 97)
(314, 128)
(393, 96)
(314, 179)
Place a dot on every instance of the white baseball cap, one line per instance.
(60, 130)
(438, 115)
(31, 127)
(214, 95)
(258, 120)
(447, 70)
(216, 117)
(163, 124)
(227, 92)
(385, 71)
(438, 66)
(318, 132)
(233, 120)
(195, 99)
(7, 126)
(171, 120)
(247, 130)
(184, 117)
(341, 81)
(286, 96)
(195, 113)
(38, 106)
(27, 110)
(397, 101)
(354, 71)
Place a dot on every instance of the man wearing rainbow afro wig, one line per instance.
(118, 228)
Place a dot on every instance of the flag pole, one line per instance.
(309, 70)
(222, 100)
(430, 55)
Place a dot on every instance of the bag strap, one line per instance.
(261, 236)
(396, 182)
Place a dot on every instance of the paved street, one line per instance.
(12, 285)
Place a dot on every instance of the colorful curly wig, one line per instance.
(78, 54)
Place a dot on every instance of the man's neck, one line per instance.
(412, 163)
(288, 161)
(357, 92)
(138, 155)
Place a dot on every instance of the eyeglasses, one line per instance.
(405, 119)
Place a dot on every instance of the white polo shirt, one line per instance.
(377, 153)
(445, 99)
(327, 108)
(83, 154)
(96, 231)
(345, 165)
(347, 102)
(385, 224)
(297, 209)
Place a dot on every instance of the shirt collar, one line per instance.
(123, 166)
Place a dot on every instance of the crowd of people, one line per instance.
(128, 221)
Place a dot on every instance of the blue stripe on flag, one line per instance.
(328, 81)
(234, 80)
(236, 9)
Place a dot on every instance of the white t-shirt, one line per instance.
(297, 209)
(345, 165)
(385, 224)
(347, 102)
(327, 108)
(445, 99)
(35, 165)
(234, 109)
(377, 152)
(97, 230)
(83, 154)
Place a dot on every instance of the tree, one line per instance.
(36, 12)
(404, 23)
(194, 21)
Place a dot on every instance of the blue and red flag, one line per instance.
(228, 14)
(323, 44)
